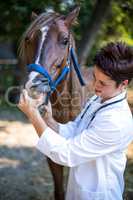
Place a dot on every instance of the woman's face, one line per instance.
(104, 86)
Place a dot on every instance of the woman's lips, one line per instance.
(97, 91)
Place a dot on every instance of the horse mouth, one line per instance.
(38, 86)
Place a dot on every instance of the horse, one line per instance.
(48, 48)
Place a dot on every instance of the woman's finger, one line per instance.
(21, 99)
(40, 100)
(25, 95)
(48, 108)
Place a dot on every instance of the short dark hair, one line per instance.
(116, 61)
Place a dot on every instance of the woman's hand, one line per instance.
(48, 111)
(50, 121)
(28, 105)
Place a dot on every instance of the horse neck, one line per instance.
(75, 91)
(67, 102)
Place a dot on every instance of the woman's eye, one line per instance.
(94, 78)
(103, 84)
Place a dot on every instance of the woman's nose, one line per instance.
(97, 84)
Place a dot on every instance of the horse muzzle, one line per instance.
(35, 87)
(39, 85)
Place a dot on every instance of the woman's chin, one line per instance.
(98, 93)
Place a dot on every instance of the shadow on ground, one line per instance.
(24, 175)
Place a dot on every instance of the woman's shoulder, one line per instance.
(120, 117)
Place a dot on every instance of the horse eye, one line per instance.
(65, 41)
(27, 39)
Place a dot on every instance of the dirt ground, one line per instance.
(24, 173)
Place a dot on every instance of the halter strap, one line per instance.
(53, 84)
(76, 66)
(43, 71)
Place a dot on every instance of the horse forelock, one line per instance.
(43, 20)
(42, 23)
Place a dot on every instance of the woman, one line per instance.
(94, 144)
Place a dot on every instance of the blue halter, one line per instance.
(53, 84)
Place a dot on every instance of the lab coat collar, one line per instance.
(116, 98)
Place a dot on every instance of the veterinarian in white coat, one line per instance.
(94, 144)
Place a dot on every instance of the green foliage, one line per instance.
(84, 16)
(16, 17)
(119, 24)
(117, 27)
(16, 14)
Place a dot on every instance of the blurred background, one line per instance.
(99, 22)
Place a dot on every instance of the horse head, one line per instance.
(47, 48)
(47, 43)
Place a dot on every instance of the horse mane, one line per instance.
(41, 21)
(46, 19)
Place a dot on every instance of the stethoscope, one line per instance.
(103, 106)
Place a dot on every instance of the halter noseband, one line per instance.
(53, 84)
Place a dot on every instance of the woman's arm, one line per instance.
(48, 118)
(29, 107)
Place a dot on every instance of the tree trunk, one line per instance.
(99, 14)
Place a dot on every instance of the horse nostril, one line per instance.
(40, 79)
(58, 66)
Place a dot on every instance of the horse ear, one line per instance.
(33, 16)
(71, 17)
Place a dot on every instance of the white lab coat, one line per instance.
(94, 150)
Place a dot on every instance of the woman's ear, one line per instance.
(125, 82)
(123, 85)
